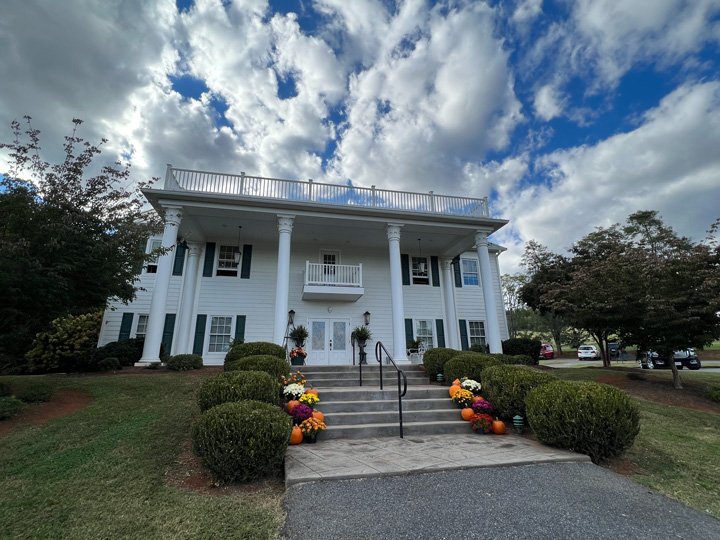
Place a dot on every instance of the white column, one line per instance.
(396, 294)
(187, 306)
(451, 321)
(156, 319)
(282, 287)
(492, 330)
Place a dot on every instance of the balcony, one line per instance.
(339, 282)
(323, 194)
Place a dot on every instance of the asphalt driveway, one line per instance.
(551, 501)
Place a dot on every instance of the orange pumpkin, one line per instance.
(467, 413)
(477, 398)
(457, 381)
(291, 404)
(297, 435)
(319, 416)
(311, 391)
(454, 388)
(498, 427)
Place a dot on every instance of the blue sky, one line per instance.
(568, 114)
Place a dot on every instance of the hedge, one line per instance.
(526, 346)
(185, 362)
(470, 365)
(507, 386)
(10, 406)
(269, 364)
(127, 351)
(598, 420)
(254, 348)
(435, 359)
(237, 386)
(241, 441)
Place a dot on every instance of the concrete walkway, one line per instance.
(343, 459)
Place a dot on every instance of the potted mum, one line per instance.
(297, 356)
(300, 413)
(309, 399)
(299, 334)
(481, 422)
(482, 406)
(469, 384)
(310, 428)
(293, 391)
(463, 398)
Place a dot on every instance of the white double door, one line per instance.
(329, 342)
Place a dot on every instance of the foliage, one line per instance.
(273, 365)
(309, 399)
(463, 397)
(482, 348)
(434, 360)
(70, 240)
(127, 351)
(312, 426)
(237, 386)
(470, 365)
(595, 419)
(185, 362)
(299, 333)
(300, 413)
(67, 345)
(482, 406)
(298, 352)
(10, 406)
(522, 346)
(481, 421)
(5, 389)
(362, 333)
(109, 364)
(254, 348)
(295, 378)
(714, 395)
(241, 441)
(506, 387)
(469, 384)
(511, 285)
(293, 391)
(35, 392)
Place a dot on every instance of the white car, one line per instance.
(588, 352)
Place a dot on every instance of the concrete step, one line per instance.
(332, 407)
(391, 416)
(349, 368)
(371, 393)
(393, 429)
(368, 381)
(355, 375)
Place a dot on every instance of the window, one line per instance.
(152, 263)
(227, 264)
(420, 271)
(476, 332)
(424, 333)
(220, 334)
(141, 329)
(470, 272)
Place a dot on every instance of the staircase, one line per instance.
(353, 412)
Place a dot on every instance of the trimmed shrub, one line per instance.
(527, 346)
(514, 360)
(469, 364)
(5, 389)
(506, 387)
(480, 348)
(598, 420)
(35, 392)
(109, 364)
(714, 395)
(434, 360)
(10, 365)
(237, 386)
(269, 364)
(67, 345)
(185, 362)
(254, 348)
(127, 351)
(10, 406)
(241, 441)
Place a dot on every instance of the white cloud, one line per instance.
(549, 103)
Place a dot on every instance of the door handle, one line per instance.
(331, 344)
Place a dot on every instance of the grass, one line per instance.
(677, 451)
(100, 472)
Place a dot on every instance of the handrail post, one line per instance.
(374, 196)
(432, 201)
(242, 183)
(310, 189)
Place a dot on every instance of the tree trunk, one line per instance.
(676, 374)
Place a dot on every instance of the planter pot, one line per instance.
(299, 342)
(310, 439)
(297, 361)
(362, 342)
(480, 431)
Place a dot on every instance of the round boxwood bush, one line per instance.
(435, 359)
(470, 365)
(254, 348)
(262, 362)
(526, 346)
(594, 419)
(10, 406)
(516, 359)
(185, 362)
(506, 387)
(109, 364)
(242, 440)
(237, 386)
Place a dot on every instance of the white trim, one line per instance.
(433, 330)
(136, 322)
(208, 326)
(476, 273)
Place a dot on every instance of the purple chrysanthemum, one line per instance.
(301, 412)
(482, 406)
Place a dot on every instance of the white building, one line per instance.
(245, 251)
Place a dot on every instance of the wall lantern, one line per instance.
(366, 315)
(236, 255)
(291, 316)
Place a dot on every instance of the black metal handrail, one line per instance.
(379, 349)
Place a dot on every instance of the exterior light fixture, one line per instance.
(366, 315)
(291, 316)
(236, 255)
(421, 262)
(518, 424)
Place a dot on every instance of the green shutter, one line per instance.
(246, 258)
(405, 266)
(458, 273)
(408, 331)
(168, 331)
(126, 326)
(440, 332)
(465, 345)
(198, 343)
(209, 259)
(179, 261)
(435, 267)
(240, 327)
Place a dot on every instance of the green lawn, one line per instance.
(100, 472)
(677, 451)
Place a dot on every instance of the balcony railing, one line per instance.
(337, 275)
(330, 194)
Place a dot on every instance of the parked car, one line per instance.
(547, 352)
(588, 352)
(613, 350)
(684, 358)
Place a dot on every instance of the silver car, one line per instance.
(588, 352)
